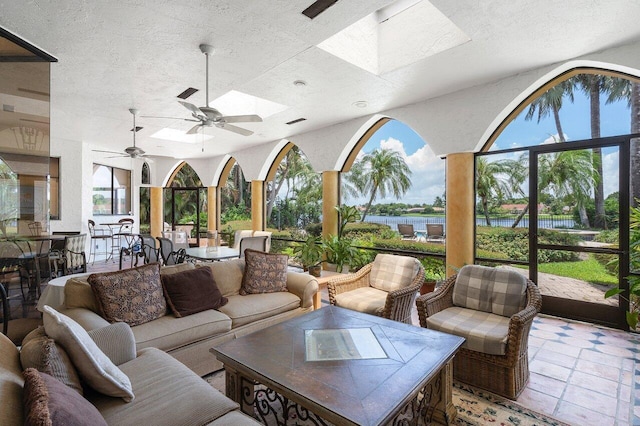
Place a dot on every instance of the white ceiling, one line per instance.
(114, 55)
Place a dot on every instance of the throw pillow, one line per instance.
(132, 295)
(47, 401)
(392, 272)
(41, 352)
(192, 291)
(92, 364)
(264, 272)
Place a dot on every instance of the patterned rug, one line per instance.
(475, 408)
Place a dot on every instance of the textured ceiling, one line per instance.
(114, 55)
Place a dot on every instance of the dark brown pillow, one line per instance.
(48, 401)
(192, 291)
(133, 295)
(264, 272)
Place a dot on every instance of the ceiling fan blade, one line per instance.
(157, 116)
(194, 129)
(109, 152)
(236, 129)
(194, 109)
(242, 118)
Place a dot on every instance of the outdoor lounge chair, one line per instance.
(387, 287)
(406, 231)
(493, 309)
(435, 233)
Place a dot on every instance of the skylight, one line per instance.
(378, 42)
(238, 103)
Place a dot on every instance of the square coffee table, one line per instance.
(343, 367)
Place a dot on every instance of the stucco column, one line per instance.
(330, 199)
(213, 209)
(258, 219)
(460, 215)
(156, 213)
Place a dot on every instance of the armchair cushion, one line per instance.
(364, 299)
(390, 272)
(484, 332)
(492, 290)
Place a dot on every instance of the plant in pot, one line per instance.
(434, 271)
(339, 250)
(309, 254)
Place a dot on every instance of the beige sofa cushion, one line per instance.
(169, 332)
(484, 332)
(364, 299)
(12, 382)
(228, 275)
(253, 307)
(166, 388)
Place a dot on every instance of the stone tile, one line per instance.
(562, 348)
(601, 358)
(545, 335)
(592, 400)
(624, 393)
(556, 358)
(576, 415)
(598, 384)
(550, 370)
(546, 385)
(619, 352)
(616, 341)
(578, 343)
(600, 370)
(538, 401)
(535, 342)
(624, 411)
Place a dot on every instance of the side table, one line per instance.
(323, 279)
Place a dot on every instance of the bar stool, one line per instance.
(125, 229)
(98, 235)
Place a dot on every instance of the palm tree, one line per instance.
(378, 173)
(550, 102)
(494, 180)
(569, 174)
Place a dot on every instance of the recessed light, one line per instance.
(360, 104)
(299, 83)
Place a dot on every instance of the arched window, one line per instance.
(146, 174)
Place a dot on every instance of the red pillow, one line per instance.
(192, 291)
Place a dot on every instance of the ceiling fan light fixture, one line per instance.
(360, 104)
(299, 83)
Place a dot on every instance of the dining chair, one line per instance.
(72, 258)
(169, 256)
(254, 243)
(97, 235)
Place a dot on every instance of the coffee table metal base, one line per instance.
(432, 404)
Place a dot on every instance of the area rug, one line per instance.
(475, 408)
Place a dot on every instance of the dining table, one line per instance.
(209, 254)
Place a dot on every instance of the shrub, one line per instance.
(514, 244)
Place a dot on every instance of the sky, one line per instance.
(428, 171)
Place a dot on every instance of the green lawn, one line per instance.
(587, 270)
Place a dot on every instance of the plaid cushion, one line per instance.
(74, 246)
(494, 290)
(390, 272)
(484, 332)
(364, 299)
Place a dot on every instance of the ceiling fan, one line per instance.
(207, 117)
(131, 151)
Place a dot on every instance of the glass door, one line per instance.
(575, 267)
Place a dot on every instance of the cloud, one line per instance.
(428, 175)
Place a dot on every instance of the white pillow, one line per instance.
(92, 364)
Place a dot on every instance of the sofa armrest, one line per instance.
(116, 341)
(304, 286)
(88, 319)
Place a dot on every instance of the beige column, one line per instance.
(213, 208)
(330, 200)
(156, 213)
(460, 215)
(258, 219)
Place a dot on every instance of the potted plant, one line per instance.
(339, 250)
(433, 272)
(309, 254)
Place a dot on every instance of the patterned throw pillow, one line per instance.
(264, 272)
(192, 291)
(48, 401)
(133, 296)
(41, 352)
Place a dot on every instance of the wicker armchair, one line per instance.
(504, 374)
(386, 288)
